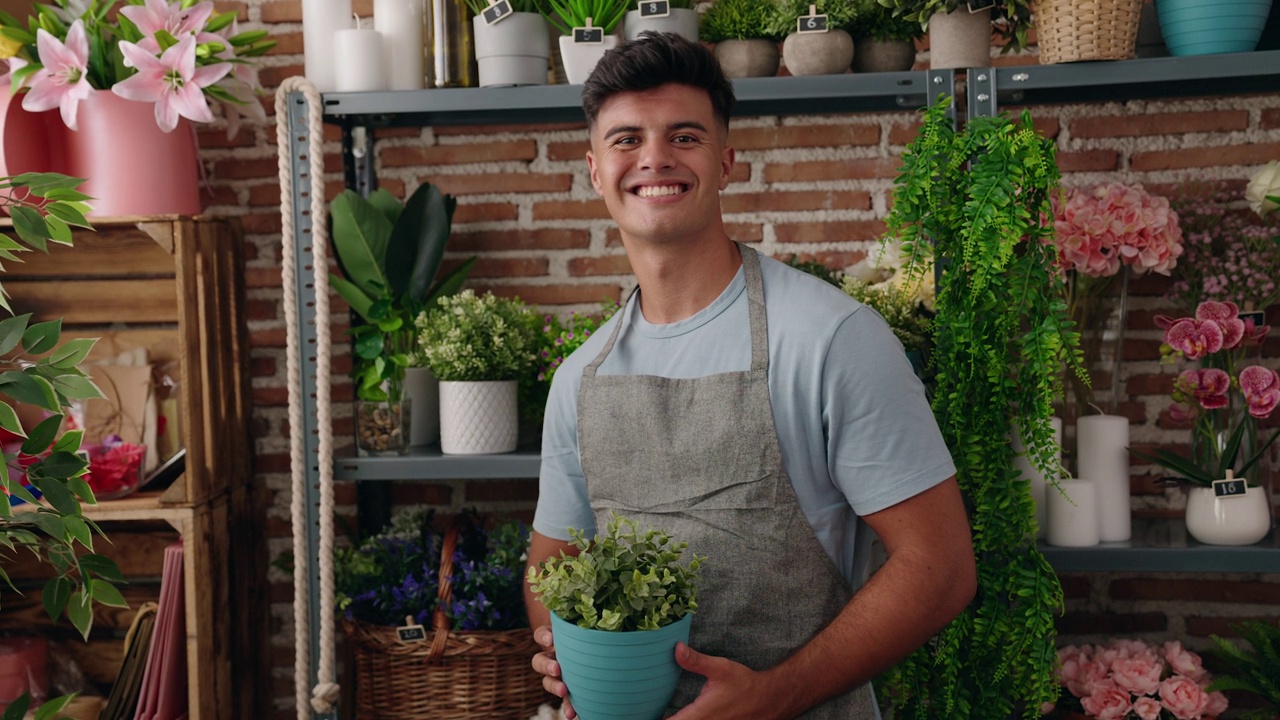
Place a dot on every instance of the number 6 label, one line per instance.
(655, 8)
(811, 24)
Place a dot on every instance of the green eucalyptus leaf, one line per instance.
(72, 353)
(43, 435)
(102, 566)
(9, 420)
(11, 331)
(30, 226)
(79, 530)
(107, 594)
(75, 387)
(80, 612)
(42, 337)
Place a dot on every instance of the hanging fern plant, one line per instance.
(979, 201)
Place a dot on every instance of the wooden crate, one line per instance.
(174, 286)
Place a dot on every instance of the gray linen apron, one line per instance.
(700, 459)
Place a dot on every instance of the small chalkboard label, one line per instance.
(811, 24)
(497, 11)
(655, 8)
(1257, 317)
(411, 632)
(588, 35)
(1231, 487)
(977, 6)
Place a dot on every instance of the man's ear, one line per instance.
(595, 175)
(726, 166)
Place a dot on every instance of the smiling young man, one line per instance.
(752, 411)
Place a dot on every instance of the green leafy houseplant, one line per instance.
(875, 21)
(979, 201)
(390, 255)
(477, 338)
(1254, 670)
(624, 580)
(565, 15)
(1012, 18)
(783, 22)
(740, 20)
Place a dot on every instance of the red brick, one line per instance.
(571, 210)
(903, 134)
(273, 338)
(740, 232)
(790, 136)
(409, 155)
(1047, 127)
(1074, 587)
(271, 397)
(484, 212)
(286, 43)
(281, 11)
(1086, 623)
(806, 200)
(262, 309)
(509, 267)
(1149, 384)
(240, 169)
(263, 367)
(268, 194)
(217, 138)
(606, 265)
(1198, 626)
(262, 277)
(542, 239)
(832, 259)
(1088, 160)
(1222, 591)
(417, 493)
(445, 130)
(855, 168)
(1130, 125)
(557, 294)
(821, 232)
(574, 150)
(501, 183)
(1270, 119)
(501, 491)
(1203, 157)
(741, 172)
(272, 75)
(219, 195)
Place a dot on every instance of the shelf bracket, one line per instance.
(982, 92)
(357, 159)
(940, 83)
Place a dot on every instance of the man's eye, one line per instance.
(686, 139)
(627, 141)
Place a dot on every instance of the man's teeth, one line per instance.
(659, 191)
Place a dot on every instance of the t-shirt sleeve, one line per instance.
(883, 444)
(562, 488)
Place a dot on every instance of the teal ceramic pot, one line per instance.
(619, 675)
(1206, 27)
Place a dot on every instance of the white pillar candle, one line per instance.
(1027, 469)
(357, 55)
(1073, 520)
(400, 24)
(320, 20)
(1102, 443)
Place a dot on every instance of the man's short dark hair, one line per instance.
(654, 60)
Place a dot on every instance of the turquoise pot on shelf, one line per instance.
(1207, 27)
(619, 675)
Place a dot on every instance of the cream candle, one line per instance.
(1027, 469)
(321, 19)
(1073, 520)
(358, 60)
(1102, 443)
(400, 24)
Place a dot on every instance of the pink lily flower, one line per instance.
(1261, 388)
(1194, 338)
(1227, 316)
(63, 81)
(158, 15)
(172, 81)
(1208, 386)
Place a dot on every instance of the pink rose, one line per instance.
(1183, 662)
(1217, 704)
(1147, 708)
(1139, 674)
(1184, 698)
(1107, 701)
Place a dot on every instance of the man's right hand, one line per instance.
(544, 663)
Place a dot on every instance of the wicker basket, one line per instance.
(476, 675)
(1074, 30)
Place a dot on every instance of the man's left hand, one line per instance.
(733, 691)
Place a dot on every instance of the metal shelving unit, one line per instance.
(1162, 545)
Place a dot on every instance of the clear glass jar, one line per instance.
(382, 427)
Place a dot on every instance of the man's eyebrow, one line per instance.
(682, 125)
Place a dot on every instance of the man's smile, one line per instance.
(648, 191)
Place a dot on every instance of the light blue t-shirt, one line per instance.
(856, 432)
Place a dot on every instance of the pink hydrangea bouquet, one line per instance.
(1101, 228)
(1130, 679)
(177, 55)
(1225, 434)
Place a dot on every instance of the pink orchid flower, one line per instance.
(1194, 338)
(158, 15)
(1208, 386)
(1227, 316)
(1182, 413)
(62, 82)
(1261, 388)
(172, 81)
(1254, 334)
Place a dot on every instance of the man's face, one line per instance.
(659, 159)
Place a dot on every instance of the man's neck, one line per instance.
(677, 280)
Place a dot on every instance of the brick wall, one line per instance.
(816, 186)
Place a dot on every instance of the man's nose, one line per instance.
(657, 156)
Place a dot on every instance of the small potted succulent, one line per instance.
(677, 16)
(814, 47)
(586, 28)
(478, 346)
(618, 608)
(882, 41)
(744, 36)
(512, 47)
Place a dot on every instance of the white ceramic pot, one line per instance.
(960, 39)
(1236, 520)
(478, 418)
(512, 51)
(828, 53)
(681, 21)
(581, 58)
(423, 391)
(748, 58)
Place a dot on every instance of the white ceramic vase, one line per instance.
(1235, 520)
(512, 51)
(423, 390)
(581, 58)
(478, 418)
(681, 21)
(960, 39)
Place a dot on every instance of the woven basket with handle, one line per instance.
(1073, 30)
(452, 675)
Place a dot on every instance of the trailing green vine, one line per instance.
(979, 200)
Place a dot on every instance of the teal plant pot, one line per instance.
(1206, 27)
(619, 675)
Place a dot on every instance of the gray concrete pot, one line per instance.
(748, 58)
(871, 55)
(960, 39)
(828, 53)
(681, 21)
(512, 51)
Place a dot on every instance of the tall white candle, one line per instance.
(1073, 520)
(400, 24)
(320, 20)
(357, 55)
(1027, 469)
(1102, 443)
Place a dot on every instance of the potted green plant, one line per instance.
(960, 30)
(1255, 670)
(390, 255)
(828, 51)
(677, 16)
(882, 41)
(556, 340)
(978, 202)
(511, 48)
(744, 36)
(618, 608)
(586, 28)
(478, 346)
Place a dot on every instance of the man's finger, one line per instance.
(690, 659)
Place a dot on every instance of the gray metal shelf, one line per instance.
(1163, 545)
(430, 463)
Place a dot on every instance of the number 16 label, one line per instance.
(1229, 488)
(655, 8)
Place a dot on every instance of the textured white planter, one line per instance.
(871, 55)
(423, 390)
(828, 53)
(1239, 520)
(960, 39)
(512, 51)
(681, 21)
(748, 58)
(478, 418)
(581, 58)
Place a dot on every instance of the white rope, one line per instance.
(325, 694)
